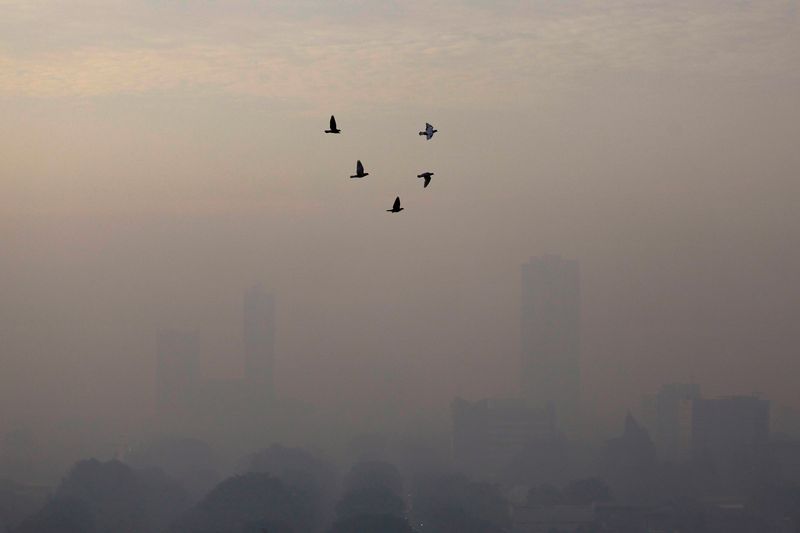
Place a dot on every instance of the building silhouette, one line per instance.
(259, 343)
(629, 463)
(490, 434)
(733, 431)
(176, 372)
(668, 417)
(550, 329)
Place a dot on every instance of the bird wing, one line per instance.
(396, 203)
(427, 180)
(428, 127)
(333, 123)
(359, 167)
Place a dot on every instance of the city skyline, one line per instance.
(586, 320)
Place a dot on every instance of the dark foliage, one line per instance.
(303, 471)
(371, 523)
(190, 461)
(377, 501)
(545, 496)
(586, 492)
(61, 515)
(454, 503)
(374, 474)
(110, 497)
(246, 502)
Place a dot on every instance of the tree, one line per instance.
(374, 474)
(302, 470)
(586, 492)
(60, 515)
(246, 502)
(371, 523)
(453, 503)
(457, 520)
(122, 499)
(377, 501)
(18, 502)
(372, 487)
(545, 496)
(111, 497)
(190, 461)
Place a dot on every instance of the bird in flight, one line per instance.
(360, 170)
(427, 176)
(429, 131)
(333, 129)
(396, 207)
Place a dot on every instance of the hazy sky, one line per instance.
(158, 157)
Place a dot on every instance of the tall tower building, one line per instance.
(259, 342)
(550, 327)
(176, 373)
(732, 430)
(673, 430)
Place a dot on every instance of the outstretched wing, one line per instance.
(359, 167)
(396, 204)
(428, 127)
(427, 181)
(333, 123)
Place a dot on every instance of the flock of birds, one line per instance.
(426, 176)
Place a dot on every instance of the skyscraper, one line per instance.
(673, 419)
(259, 342)
(550, 327)
(176, 374)
(733, 430)
(488, 435)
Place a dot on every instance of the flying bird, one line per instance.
(427, 176)
(333, 129)
(429, 131)
(360, 170)
(396, 207)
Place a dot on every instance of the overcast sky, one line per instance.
(156, 158)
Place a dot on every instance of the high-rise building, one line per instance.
(550, 327)
(489, 434)
(259, 342)
(669, 419)
(176, 374)
(733, 431)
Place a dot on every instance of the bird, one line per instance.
(427, 176)
(333, 129)
(396, 207)
(429, 131)
(360, 170)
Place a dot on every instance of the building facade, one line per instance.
(491, 433)
(668, 417)
(732, 431)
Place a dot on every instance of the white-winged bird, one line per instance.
(427, 176)
(333, 129)
(396, 207)
(360, 170)
(429, 131)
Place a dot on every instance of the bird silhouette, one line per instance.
(333, 129)
(396, 207)
(427, 176)
(429, 131)
(360, 170)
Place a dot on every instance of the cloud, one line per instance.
(381, 51)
